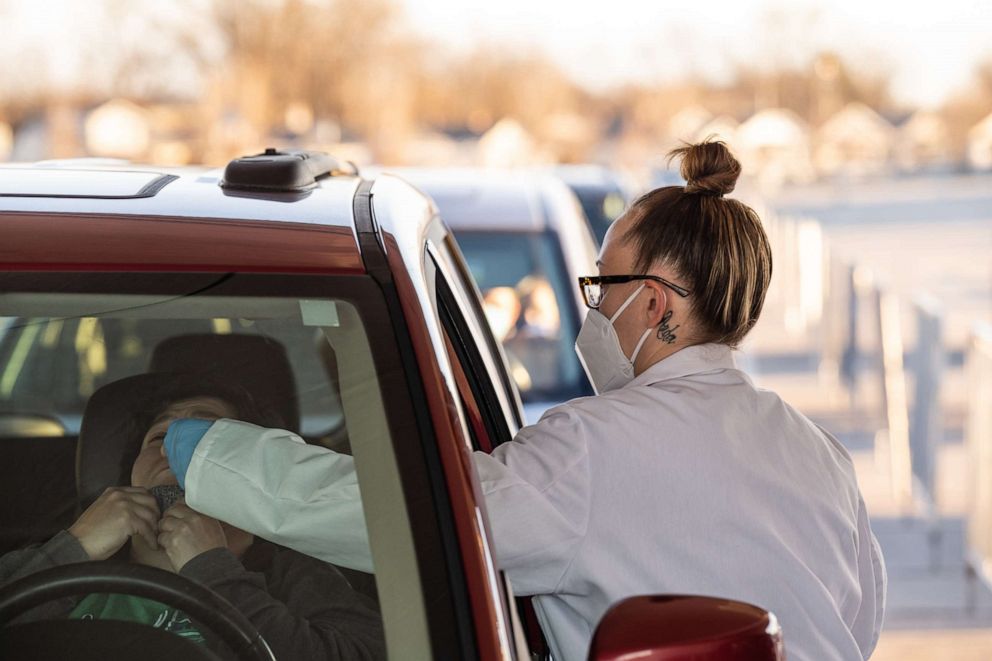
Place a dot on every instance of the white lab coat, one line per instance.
(687, 480)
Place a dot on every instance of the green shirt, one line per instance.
(136, 609)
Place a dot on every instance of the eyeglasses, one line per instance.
(593, 286)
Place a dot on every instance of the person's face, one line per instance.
(151, 468)
(502, 310)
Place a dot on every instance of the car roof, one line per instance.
(478, 199)
(488, 199)
(79, 187)
(587, 174)
(84, 204)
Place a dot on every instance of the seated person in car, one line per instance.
(304, 608)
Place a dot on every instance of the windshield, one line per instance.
(602, 206)
(93, 367)
(529, 304)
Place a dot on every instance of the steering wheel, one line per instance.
(197, 601)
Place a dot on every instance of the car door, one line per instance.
(482, 379)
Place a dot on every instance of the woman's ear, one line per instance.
(657, 304)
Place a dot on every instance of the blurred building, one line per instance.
(441, 148)
(774, 147)
(231, 135)
(54, 131)
(980, 144)
(64, 129)
(160, 132)
(854, 142)
(685, 124)
(722, 128)
(569, 136)
(506, 144)
(177, 133)
(29, 138)
(923, 142)
(6, 140)
(118, 129)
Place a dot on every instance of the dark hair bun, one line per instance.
(708, 168)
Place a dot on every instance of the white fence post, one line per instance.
(978, 439)
(926, 426)
(894, 399)
(850, 359)
(810, 247)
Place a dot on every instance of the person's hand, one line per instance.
(185, 534)
(181, 439)
(113, 518)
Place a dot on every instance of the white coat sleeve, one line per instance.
(537, 498)
(272, 484)
(871, 572)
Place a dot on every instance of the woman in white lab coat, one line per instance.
(679, 476)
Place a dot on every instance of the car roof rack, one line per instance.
(290, 171)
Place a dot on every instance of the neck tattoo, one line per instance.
(665, 333)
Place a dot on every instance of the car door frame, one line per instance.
(394, 222)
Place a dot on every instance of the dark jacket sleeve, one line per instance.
(62, 549)
(304, 608)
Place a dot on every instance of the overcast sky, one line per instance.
(929, 46)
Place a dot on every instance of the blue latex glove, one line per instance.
(181, 439)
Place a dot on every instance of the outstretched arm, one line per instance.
(272, 484)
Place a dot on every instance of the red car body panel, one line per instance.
(157, 243)
(684, 628)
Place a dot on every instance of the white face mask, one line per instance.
(598, 347)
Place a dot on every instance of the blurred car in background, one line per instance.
(663, 175)
(525, 239)
(603, 194)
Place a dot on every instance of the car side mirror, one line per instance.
(684, 628)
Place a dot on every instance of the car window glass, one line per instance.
(481, 398)
(460, 278)
(602, 206)
(301, 348)
(52, 366)
(476, 427)
(526, 295)
(448, 260)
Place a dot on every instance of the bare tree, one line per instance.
(350, 61)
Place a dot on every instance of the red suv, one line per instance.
(341, 303)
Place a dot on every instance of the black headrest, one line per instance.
(118, 415)
(257, 363)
